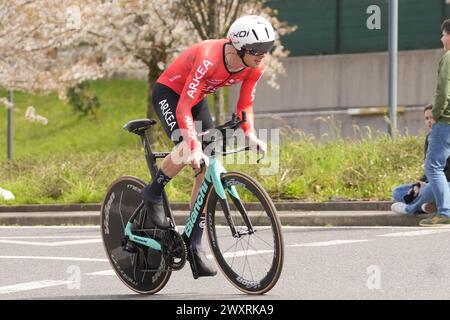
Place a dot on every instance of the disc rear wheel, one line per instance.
(140, 268)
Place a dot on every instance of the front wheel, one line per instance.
(143, 270)
(248, 244)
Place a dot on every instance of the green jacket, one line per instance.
(441, 110)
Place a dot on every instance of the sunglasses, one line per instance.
(255, 53)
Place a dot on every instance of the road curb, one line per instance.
(281, 206)
(288, 218)
(49, 218)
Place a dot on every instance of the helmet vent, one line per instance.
(256, 36)
(267, 33)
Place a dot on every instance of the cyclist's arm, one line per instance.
(245, 102)
(188, 97)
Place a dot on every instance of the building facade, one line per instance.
(337, 73)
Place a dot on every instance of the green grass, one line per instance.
(74, 178)
(66, 131)
(74, 159)
(311, 170)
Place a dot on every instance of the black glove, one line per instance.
(412, 193)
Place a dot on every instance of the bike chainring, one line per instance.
(173, 249)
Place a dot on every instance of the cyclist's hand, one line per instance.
(256, 144)
(196, 158)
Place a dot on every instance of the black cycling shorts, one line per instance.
(165, 102)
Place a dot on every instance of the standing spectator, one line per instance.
(439, 139)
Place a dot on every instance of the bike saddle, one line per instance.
(139, 126)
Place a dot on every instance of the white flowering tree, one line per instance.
(138, 35)
(50, 45)
(31, 32)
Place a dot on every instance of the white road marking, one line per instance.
(54, 258)
(243, 253)
(50, 237)
(219, 227)
(415, 233)
(182, 226)
(31, 286)
(49, 227)
(327, 243)
(109, 272)
(52, 244)
(350, 227)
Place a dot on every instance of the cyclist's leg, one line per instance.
(203, 119)
(165, 102)
(203, 122)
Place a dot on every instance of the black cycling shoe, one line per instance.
(203, 266)
(156, 215)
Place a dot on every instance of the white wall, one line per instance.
(323, 85)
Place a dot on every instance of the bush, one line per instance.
(82, 100)
(310, 170)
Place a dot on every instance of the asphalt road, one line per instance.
(320, 263)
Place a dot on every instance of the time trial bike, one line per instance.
(244, 231)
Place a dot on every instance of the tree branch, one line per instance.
(190, 9)
(203, 6)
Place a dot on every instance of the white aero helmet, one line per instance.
(252, 33)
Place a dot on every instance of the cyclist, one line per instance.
(179, 99)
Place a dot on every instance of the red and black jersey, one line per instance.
(201, 70)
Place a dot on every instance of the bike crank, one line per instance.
(173, 249)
